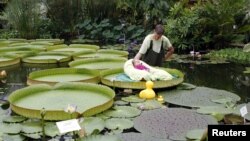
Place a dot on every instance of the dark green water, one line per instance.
(228, 77)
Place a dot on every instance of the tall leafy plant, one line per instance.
(221, 20)
(63, 16)
(181, 26)
(24, 16)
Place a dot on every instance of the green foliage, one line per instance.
(212, 24)
(109, 31)
(232, 54)
(63, 16)
(24, 16)
(181, 25)
(223, 20)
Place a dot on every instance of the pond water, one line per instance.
(227, 76)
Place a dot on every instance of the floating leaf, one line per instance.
(200, 96)
(139, 137)
(118, 123)
(33, 136)
(195, 134)
(214, 109)
(7, 137)
(31, 127)
(186, 86)
(92, 124)
(51, 129)
(10, 128)
(121, 103)
(222, 100)
(171, 123)
(132, 98)
(14, 119)
(101, 138)
(148, 105)
(123, 111)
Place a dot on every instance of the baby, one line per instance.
(138, 65)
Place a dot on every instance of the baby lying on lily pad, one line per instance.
(139, 70)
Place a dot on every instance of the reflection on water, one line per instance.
(228, 77)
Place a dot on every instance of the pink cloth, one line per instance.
(141, 67)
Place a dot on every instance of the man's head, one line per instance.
(159, 31)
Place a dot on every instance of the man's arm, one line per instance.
(138, 56)
(170, 51)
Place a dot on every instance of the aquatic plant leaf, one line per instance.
(118, 123)
(7, 137)
(98, 63)
(110, 78)
(56, 75)
(32, 136)
(195, 134)
(92, 124)
(214, 109)
(171, 123)
(200, 96)
(31, 127)
(51, 129)
(14, 128)
(101, 138)
(132, 98)
(89, 98)
(222, 100)
(120, 103)
(138, 137)
(14, 119)
(122, 111)
(148, 105)
(186, 86)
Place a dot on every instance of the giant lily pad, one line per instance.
(171, 123)
(116, 78)
(53, 76)
(101, 138)
(198, 97)
(89, 98)
(101, 53)
(98, 63)
(139, 137)
(73, 48)
(8, 60)
(47, 57)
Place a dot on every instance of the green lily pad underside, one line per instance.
(98, 63)
(198, 97)
(108, 77)
(52, 76)
(89, 98)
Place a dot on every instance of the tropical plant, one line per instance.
(223, 20)
(63, 16)
(181, 26)
(24, 16)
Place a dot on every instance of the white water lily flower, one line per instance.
(70, 108)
